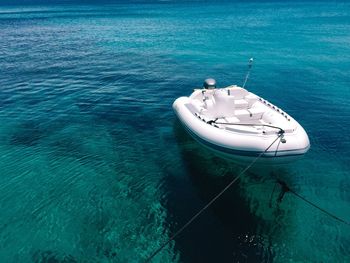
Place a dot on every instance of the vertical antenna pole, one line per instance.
(250, 64)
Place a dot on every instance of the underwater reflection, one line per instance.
(231, 227)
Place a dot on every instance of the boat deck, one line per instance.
(237, 110)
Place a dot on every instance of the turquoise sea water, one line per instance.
(94, 166)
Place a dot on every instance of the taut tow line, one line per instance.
(280, 134)
(286, 188)
(250, 64)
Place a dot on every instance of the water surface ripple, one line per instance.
(95, 167)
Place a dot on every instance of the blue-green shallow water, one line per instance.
(95, 167)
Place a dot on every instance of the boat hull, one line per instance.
(242, 147)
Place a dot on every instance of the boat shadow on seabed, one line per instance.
(230, 228)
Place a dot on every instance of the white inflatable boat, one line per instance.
(240, 125)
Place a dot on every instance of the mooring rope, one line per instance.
(280, 134)
(250, 64)
(286, 188)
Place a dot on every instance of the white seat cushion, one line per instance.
(241, 104)
(251, 99)
(255, 113)
(237, 92)
(242, 114)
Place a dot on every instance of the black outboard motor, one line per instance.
(209, 84)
